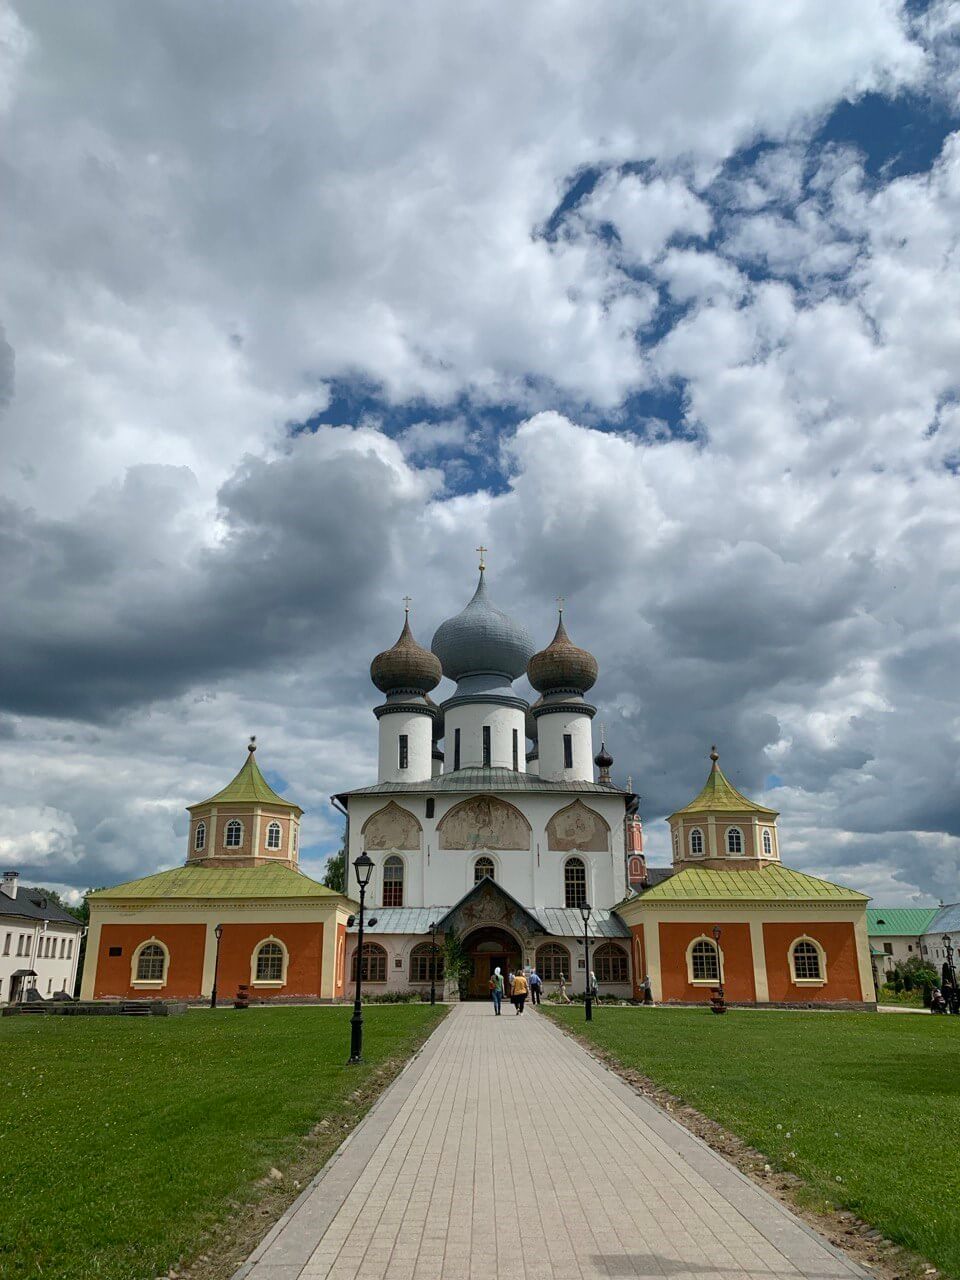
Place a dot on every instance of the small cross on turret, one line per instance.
(483, 551)
(407, 602)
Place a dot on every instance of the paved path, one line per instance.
(504, 1150)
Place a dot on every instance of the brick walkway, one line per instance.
(504, 1150)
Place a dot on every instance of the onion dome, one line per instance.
(407, 667)
(482, 639)
(603, 759)
(561, 667)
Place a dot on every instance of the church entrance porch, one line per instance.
(489, 948)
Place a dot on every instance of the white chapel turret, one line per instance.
(406, 674)
(562, 674)
(484, 651)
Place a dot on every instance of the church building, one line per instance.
(494, 819)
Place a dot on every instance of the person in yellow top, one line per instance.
(520, 989)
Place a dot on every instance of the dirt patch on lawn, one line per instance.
(845, 1231)
(228, 1243)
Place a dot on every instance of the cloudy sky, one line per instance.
(301, 302)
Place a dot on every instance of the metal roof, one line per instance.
(479, 779)
(26, 906)
(945, 920)
(560, 922)
(891, 922)
(219, 882)
(772, 883)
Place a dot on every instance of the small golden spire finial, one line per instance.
(252, 744)
(407, 602)
(483, 551)
(714, 753)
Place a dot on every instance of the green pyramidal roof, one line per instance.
(720, 795)
(217, 882)
(892, 922)
(249, 786)
(773, 883)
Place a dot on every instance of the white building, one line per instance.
(490, 839)
(39, 942)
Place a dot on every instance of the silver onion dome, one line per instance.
(482, 639)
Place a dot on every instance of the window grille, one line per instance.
(274, 835)
(393, 882)
(806, 961)
(734, 840)
(705, 964)
(421, 963)
(610, 963)
(553, 962)
(269, 962)
(374, 967)
(484, 869)
(574, 883)
(233, 835)
(150, 963)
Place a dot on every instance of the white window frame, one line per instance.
(269, 982)
(147, 984)
(568, 862)
(226, 828)
(766, 842)
(735, 853)
(274, 826)
(807, 982)
(483, 857)
(394, 859)
(695, 853)
(200, 836)
(704, 982)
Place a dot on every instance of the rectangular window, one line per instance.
(6, 945)
(63, 948)
(115, 951)
(516, 750)
(486, 746)
(456, 749)
(431, 806)
(404, 751)
(568, 750)
(69, 948)
(20, 944)
(888, 948)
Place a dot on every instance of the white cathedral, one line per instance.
(474, 832)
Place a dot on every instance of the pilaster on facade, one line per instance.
(758, 951)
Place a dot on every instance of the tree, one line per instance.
(334, 873)
(456, 962)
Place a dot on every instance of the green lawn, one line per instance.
(123, 1139)
(864, 1108)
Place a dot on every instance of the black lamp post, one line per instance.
(716, 938)
(588, 1005)
(218, 934)
(948, 949)
(433, 962)
(363, 866)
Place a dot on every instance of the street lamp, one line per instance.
(218, 934)
(585, 912)
(363, 867)
(948, 949)
(433, 962)
(716, 937)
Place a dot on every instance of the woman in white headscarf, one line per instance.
(496, 990)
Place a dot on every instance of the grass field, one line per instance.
(864, 1108)
(122, 1140)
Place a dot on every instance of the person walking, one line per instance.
(510, 980)
(536, 987)
(520, 991)
(594, 989)
(564, 998)
(647, 989)
(496, 990)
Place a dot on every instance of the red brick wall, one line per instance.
(838, 941)
(185, 972)
(304, 943)
(737, 961)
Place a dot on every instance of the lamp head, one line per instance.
(363, 866)
(585, 911)
(218, 932)
(716, 933)
(946, 939)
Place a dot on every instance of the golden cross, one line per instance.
(483, 551)
(407, 602)
(560, 605)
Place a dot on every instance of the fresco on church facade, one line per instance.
(484, 822)
(391, 828)
(577, 827)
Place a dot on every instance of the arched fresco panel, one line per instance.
(391, 828)
(577, 827)
(484, 822)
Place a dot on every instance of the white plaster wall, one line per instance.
(419, 731)
(52, 972)
(551, 728)
(469, 718)
(440, 877)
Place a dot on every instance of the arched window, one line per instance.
(422, 962)
(734, 840)
(704, 962)
(233, 834)
(610, 963)
(483, 869)
(151, 962)
(696, 842)
(274, 835)
(200, 835)
(574, 883)
(767, 843)
(808, 961)
(676, 844)
(553, 962)
(374, 967)
(269, 965)
(393, 882)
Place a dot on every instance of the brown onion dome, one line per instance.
(407, 667)
(561, 667)
(603, 759)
